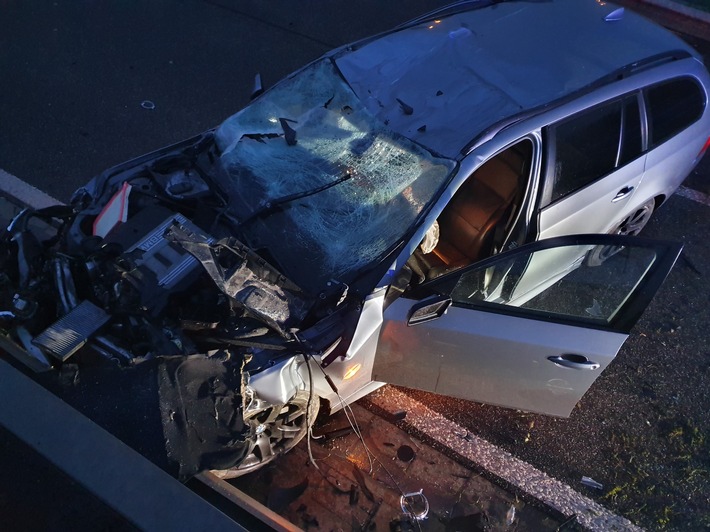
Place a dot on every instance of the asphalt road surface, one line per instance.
(76, 77)
(75, 73)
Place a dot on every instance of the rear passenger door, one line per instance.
(593, 166)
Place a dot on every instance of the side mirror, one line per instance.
(428, 309)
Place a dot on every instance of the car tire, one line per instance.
(632, 225)
(275, 430)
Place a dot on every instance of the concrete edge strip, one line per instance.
(523, 476)
(694, 195)
(24, 192)
(236, 496)
(101, 463)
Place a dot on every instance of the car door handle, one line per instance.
(622, 194)
(573, 362)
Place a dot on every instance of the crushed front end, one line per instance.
(139, 305)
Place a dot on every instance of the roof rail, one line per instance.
(617, 75)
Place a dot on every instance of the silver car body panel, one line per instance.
(360, 356)
(279, 383)
(473, 355)
(662, 171)
(526, 329)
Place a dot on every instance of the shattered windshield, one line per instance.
(346, 186)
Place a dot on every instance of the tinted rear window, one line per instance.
(586, 148)
(673, 106)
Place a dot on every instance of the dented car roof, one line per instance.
(445, 81)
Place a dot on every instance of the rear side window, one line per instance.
(585, 148)
(672, 107)
(593, 144)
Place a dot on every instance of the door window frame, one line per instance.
(623, 321)
(550, 145)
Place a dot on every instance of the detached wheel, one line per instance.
(631, 226)
(275, 429)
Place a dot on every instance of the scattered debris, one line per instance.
(371, 515)
(354, 495)
(310, 521)
(510, 515)
(405, 453)
(333, 434)
(406, 109)
(591, 483)
(528, 437)
(402, 524)
(465, 436)
(147, 104)
(363, 483)
(415, 504)
(476, 522)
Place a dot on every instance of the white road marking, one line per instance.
(24, 192)
(520, 474)
(694, 195)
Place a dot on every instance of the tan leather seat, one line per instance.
(467, 225)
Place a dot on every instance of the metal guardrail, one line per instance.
(138, 490)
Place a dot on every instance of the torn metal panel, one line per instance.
(201, 406)
(234, 270)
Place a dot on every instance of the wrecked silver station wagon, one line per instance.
(378, 216)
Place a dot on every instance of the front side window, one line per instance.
(672, 107)
(555, 282)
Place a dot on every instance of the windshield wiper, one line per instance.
(269, 207)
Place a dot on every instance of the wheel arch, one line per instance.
(658, 201)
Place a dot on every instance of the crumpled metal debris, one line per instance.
(591, 483)
(510, 515)
(415, 505)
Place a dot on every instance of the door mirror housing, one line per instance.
(428, 309)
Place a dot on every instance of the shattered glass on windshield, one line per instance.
(321, 180)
